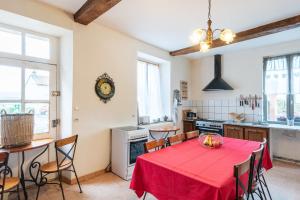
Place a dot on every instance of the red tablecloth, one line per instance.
(192, 172)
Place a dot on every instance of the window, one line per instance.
(149, 91)
(26, 83)
(282, 88)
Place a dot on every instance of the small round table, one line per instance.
(34, 164)
(165, 131)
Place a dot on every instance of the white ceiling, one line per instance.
(168, 23)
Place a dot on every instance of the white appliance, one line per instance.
(127, 145)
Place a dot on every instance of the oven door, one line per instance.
(209, 130)
(135, 149)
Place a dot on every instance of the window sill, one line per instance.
(157, 124)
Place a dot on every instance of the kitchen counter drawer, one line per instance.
(233, 132)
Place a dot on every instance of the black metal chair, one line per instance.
(260, 173)
(240, 170)
(256, 167)
(65, 152)
(8, 184)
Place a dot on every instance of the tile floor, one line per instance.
(283, 180)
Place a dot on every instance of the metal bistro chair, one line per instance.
(154, 145)
(7, 184)
(256, 167)
(239, 170)
(176, 139)
(65, 151)
(192, 135)
(260, 172)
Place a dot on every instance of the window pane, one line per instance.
(10, 83)
(11, 41)
(11, 108)
(142, 89)
(276, 88)
(37, 46)
(41, 116)
(296, 86)
(36, 84)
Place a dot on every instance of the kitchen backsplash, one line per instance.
(220, 109)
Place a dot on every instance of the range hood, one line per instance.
(217, 83)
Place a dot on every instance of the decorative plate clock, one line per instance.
(105, 87)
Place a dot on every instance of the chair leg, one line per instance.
(145, 196)
(262, 188)
(18, 192)
(265, 183)
(77, 179)
(39, 186)
(60, 184)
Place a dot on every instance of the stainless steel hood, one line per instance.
(217, 83)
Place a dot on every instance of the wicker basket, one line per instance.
(16, 129)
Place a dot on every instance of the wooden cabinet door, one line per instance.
(256, 134)
(233, 132)
(188, 126)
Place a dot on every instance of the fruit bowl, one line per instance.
(211, 140)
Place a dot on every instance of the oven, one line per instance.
(136, 148)
(210, 127)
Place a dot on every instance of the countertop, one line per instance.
(265, 125)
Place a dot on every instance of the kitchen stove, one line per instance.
(206, 125)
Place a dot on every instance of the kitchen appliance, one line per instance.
(218, 83)
(191, 115)
(127, 145)
(209, 126)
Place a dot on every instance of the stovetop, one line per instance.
(210, 120)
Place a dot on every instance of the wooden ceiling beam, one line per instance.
(92, 9)
(264, 30)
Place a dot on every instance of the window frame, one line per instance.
(147, 62)
(289, 96)
(53, 45)
(29, 62)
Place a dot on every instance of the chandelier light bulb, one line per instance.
(204, 47)
(197, 36)
(227, 35)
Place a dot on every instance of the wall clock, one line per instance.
(105, 87)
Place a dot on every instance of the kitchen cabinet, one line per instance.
(188, 125)
(246, 132)
(233, 132)
(256, 134)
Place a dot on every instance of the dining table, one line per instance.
(163, 132)
(190, 171)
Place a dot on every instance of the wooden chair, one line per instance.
(239, 170)
(260, 173)
(65, 152)
(7, 184)
(176, 139)
(192, 135)
(154, 145)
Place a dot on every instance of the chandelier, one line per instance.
(205, 37)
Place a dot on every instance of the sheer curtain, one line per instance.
(149, 91)
(296, 86)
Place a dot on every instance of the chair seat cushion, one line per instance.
(51, 167)
(10, 183)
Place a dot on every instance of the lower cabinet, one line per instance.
(233, 132)
(246, 133)
(188, 126)
(256, 134)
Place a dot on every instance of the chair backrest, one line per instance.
(65, 150)
(154, 145)
(4, 170)
(239, 170)
(175, 139)
(192, 134)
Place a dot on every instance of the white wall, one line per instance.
(96, 50)
(241, 69)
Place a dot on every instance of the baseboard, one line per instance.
(83, 178)
(287, 160)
